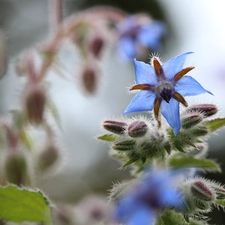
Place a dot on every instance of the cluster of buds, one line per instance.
(194, 127)
(136, 141)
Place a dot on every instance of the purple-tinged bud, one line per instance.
(124, 145)
(96, 45)
(191, 120)
(89, 79)
(137, 129)
(16, 169)
(207, 109)
(48, 156)
(34, 101)
(201, 191)
(116, 127)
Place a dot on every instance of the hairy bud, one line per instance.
(191, 120)
(206, 109)
(96, 45)
(34, 100)
(124, 145)
(201, 191)
(16, 170)
(116, 127)
(89, 79)
(137, 129)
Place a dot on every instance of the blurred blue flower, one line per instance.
(157, 190)
(162, 87)
(138, 32)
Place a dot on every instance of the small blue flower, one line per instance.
(155, 191)
(136, 32)
(162, 87)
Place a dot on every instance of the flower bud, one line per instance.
(206, 109)
(124, 145)
(191, 120)
(201, 191)
(199, 131)
(116, 127)
(16, 170)
(34, 100)
(89, 79)
(137, 129)
(96, 45)
(48, 156)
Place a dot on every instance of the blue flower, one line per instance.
(157, 190)
(162, 87)
(136, 32)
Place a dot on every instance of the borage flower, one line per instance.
(156, 191)
(139, 32)
(162, 88)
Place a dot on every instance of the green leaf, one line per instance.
(21, 204)
(108, 137)
(179, 161)
(171, 217)
(215, 124)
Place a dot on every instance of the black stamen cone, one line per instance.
(166, 94)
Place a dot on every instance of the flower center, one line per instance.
(165, 91)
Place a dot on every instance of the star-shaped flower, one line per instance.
(162, 88)
(155, 191)
(138, 32)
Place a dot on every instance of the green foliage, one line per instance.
(181, 160)
(215, 124)
(108, 137)
(21, 204)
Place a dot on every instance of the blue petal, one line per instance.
(127, 48)
(142, 101)
(188, 86)
(174, 65)
(145, 73)
(171, 112)
(150, 35)
(143, 216)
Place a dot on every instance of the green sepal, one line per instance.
(108, 137)
(215, 124)
(26, 139)
(179, 161)
(129, 162)
(169, 217)
(22, 204)
(220, 202)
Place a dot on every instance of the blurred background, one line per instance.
(196, 26)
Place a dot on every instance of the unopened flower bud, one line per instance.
(116, 127)
(201, 191)
(48, 156)
(200, 131)
(137, 129)
(16, 170)
(124, 145)
(96, 45)
(206, 109)
(89, 79)
(191, 120)
(34, 103)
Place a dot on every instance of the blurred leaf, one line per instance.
(190, 161)
(108, 137)
(26, 139)
(215, 124)
(21, 204)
